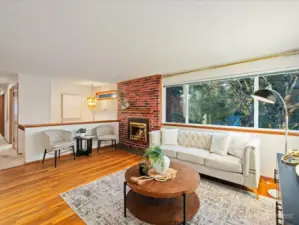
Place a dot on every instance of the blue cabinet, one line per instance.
(287, 203)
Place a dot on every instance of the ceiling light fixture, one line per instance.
(91, 100)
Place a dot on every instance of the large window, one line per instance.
(222, 102)
(228, 102)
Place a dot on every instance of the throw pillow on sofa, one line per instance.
(220, 144)
(169, 136)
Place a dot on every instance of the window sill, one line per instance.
(236, 129)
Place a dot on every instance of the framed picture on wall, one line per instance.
(71, 107)
(106, 95)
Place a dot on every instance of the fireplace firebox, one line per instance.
(138, 129)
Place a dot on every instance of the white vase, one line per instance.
(158, 166)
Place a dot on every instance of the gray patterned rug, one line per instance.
(101, 202)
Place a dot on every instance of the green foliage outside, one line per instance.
(222, 102)
(272, 116)
(229, 102)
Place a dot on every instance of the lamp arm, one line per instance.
(286, 119)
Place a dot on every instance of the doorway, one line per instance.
(9, 151)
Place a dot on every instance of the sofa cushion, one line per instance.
(107, 137)
(169, 136)
(61, 144)
(194, 155)
(171, 150)
(238, 144)
(195, 139)
(220, 144)
(226, 163)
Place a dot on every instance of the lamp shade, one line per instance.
(265, 95)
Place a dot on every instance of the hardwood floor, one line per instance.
(30, 194)
(266, 183)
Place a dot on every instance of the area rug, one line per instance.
(101, 202)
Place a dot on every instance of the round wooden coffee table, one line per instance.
(163, 203)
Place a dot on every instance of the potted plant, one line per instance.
(159, 162)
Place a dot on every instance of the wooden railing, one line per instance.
(23, 127)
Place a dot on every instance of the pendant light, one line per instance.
(91, 100)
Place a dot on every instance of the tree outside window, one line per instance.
(222, 102)
(272, 116)
(229, 102)
(175, 104)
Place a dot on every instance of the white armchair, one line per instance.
(105, 133)
(58, 140)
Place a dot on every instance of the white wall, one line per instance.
(34, 99)
(106, 109)
(246, 69)
(40, 100)
(60, 87)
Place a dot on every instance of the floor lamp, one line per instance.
(269, 96)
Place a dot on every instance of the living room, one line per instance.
(149, 112)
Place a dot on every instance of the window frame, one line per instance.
(255, 76)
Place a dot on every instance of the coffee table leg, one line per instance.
(185, 208)
(125, 199)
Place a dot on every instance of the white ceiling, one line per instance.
(111, 40)
(7, 78)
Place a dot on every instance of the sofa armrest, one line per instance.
(154, 138)
(252, 158)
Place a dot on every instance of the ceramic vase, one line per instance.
(82, 134)
(158, 166)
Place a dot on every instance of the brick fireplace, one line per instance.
(143, 114)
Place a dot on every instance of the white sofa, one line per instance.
(193, 148)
